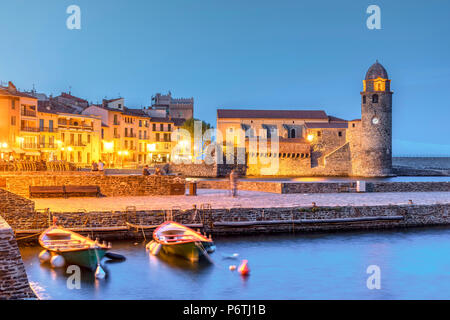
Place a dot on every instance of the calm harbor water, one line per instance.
(414, 263)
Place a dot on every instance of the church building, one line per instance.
(313, 143)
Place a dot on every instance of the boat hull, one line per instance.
(190, 251)
(84, 258)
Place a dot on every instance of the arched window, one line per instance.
(364, 99)
(292, 133)
(375, 98)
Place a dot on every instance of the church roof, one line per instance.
(376, 71)
(271, 114)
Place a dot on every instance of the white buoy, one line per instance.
(44, 256)
(156, 249)
(57, 261)
(99, 272)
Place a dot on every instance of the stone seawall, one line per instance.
(13, 278)
(110, 185)
(242, 185)
(408, 186)
(116, 225)
(326, 187)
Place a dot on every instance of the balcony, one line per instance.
(116, 123)
(130, 135)
(75, 126)
(116, 136)
(46, 129)
(28, 113)
(47, 145)
(26, 145)
(29, 129)
(77, 144)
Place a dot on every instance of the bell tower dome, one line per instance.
(376, 124)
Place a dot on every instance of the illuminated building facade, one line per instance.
(314, 143)
(45, 130)
(68, 128)
(132, 136)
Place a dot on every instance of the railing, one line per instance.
(130, 135)
(28, 113)
(46, 129)
(29, 129)
(29, 146)
(117, 136)
(116, 123)
(77, 144)
(47, 145)
(75, 127)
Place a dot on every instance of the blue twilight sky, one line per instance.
(283, 54)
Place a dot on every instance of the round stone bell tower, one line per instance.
(376, 124)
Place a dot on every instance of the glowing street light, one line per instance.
(151, 147)
(108, 146)
(310, 137)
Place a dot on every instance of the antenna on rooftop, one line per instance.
(70, 89)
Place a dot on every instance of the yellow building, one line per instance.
(132, 136)
(46, 130)
(67, 136)
(18, 123)
(53, 129)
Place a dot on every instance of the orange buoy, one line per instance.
(232, 267)
(243, 268)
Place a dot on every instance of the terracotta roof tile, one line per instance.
(271, 114)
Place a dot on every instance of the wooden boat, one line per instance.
(73, 247)
(174, 238)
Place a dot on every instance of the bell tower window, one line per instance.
(364, 99)
(375, 98)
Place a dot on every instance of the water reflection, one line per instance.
(414, 264)
(179, 262)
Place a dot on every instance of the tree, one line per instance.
(189, 126)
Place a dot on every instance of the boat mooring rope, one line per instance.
(205, 253)
(29, 236)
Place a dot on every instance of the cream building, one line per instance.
(132, 136)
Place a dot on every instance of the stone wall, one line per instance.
(110, 185)
(326, 187)
(206, 170)
(13, 278)
(11, 203)
(259, 220)
(440, 186)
